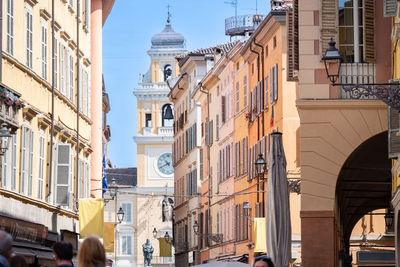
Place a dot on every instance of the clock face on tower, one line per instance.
(164, 164)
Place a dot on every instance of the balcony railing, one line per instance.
(166, 131)
(356, 73)
(239, 25)
(162, 260)
(147, 131)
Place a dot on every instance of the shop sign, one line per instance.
(24, 231)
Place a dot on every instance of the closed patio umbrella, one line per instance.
(277, 210)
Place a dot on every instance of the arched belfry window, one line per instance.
(167, 116)
(167, 72)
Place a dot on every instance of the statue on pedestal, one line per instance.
(147, 252)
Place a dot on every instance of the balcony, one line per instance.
(147, 131)
(356, 73)
(157, 260)
(166, 131)
(240, 25)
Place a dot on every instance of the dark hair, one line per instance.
(63, 250)
(266, 259)
(18, 261)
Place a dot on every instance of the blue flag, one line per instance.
(105, 184)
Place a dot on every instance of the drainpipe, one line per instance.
(263, 105)
(53, 41)
(208, 160)
(258, 118)
(77, 107)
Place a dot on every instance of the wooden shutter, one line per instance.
(394, 133)
(24, 163)
(275, 82)
(30, 167)
(389, 8)
(329, 13)
(211, 128)
(293, 42)
(217, 127)
(194, 134)
(272, 84)
(266, 92)
(223, 109)
(207, 132)
(194, 182)
(63, 173)
(369, 31)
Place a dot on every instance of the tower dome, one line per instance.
(168, 38)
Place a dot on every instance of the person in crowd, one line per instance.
(5, 248)
(18, 261)
(63, 253)
(263, 261)
(91, 253)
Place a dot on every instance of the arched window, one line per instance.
(167, 72)
(167, 116)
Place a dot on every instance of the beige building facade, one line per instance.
(345, 170)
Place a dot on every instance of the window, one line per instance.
(67, 72)
(55, 62)
(167, 117)
(275, 88)
(266, 92)
(223, 109)
(148, 120)
(62, 68)
(86, 94)
(14, 163)
(5, 167)
(26, 160)
(83, 179)
(274, 40)
(245, 91)
(266, 51)
(10, 27)
(41, 149)
(126, 244)
(127, 207)
(63, 173)
(29, 35)
(167, 72)
(44, 49)
(86, 13)
(71, 78)
(237, 96)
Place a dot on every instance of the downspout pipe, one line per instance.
(77, 107)
(262, 82)
(258, 79)
(258, 118)
(208, 158)
(53, 54)
(262, 108)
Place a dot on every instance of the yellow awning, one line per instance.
(260, 235)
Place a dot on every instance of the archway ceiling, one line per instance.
(364, 183)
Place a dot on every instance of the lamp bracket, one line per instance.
(294, 185)
(387, 92)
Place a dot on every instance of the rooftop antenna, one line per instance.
(233, 3)
(169, 15)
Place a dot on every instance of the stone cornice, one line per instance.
(326, 103)
(153, 139)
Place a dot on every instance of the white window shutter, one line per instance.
(62, 69)
(63, 172)
(30, 167)
(272, 76)
(24, 173)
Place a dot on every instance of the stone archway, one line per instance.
(363, 185)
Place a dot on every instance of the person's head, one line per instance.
(5, 244)
(18, 261)
(63, 251)
(91, 252)
(263, 261)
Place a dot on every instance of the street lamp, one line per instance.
(386, 92)
(389, 217)
(112, 191)
(247, 208)
(217, 238)
(4, 136)
(261, 166)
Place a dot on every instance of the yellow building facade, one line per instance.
(47, 165)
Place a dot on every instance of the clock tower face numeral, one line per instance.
(164, 164)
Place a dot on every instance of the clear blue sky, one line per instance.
(126, 38)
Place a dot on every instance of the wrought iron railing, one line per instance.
(240, 24)
(356, 73)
